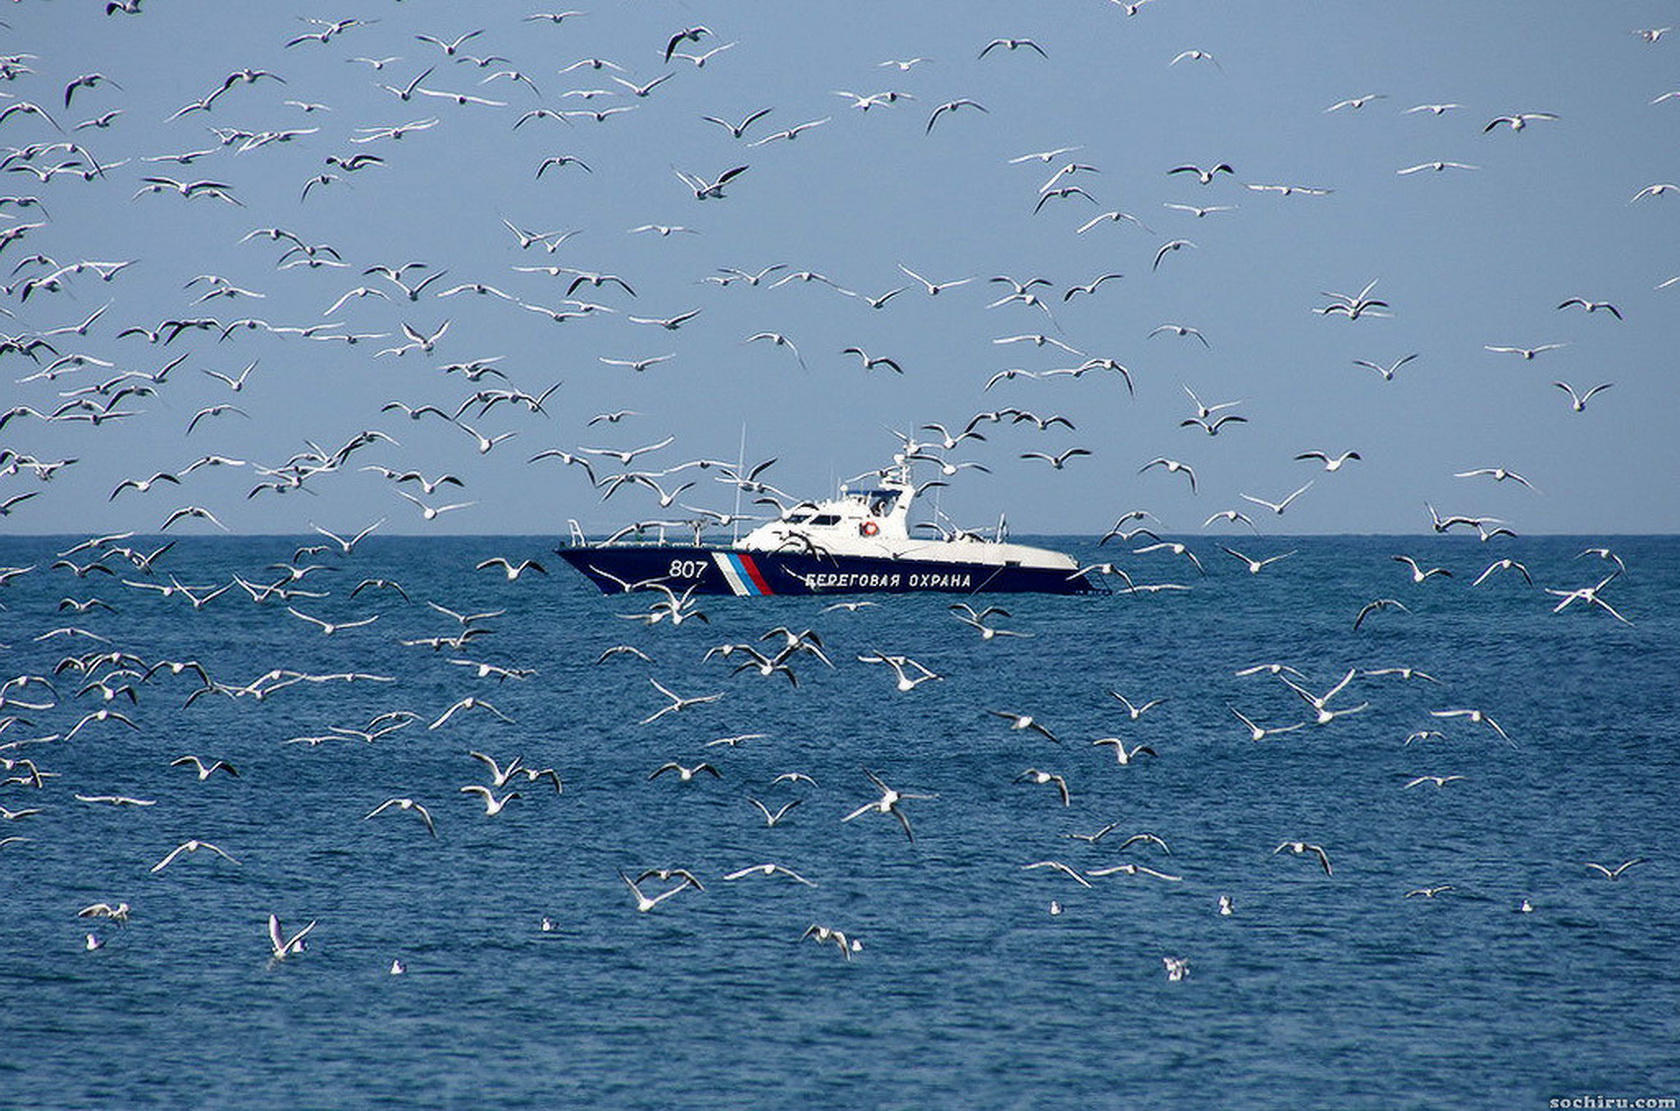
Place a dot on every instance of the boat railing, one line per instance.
(650, 534)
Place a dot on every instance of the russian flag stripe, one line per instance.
(731, 573)
(757, 578)
(742, 574)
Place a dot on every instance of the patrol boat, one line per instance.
(857, 542)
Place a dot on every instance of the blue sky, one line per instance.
(1464, 258)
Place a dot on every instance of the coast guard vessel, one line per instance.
(857, 542)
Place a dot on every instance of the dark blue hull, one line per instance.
(727, 571)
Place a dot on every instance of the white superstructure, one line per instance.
(874, 522)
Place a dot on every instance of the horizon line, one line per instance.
(1058, 535)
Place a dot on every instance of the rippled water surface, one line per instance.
(1320, 990)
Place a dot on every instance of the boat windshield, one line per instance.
(880, 502)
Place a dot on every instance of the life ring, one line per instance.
(869, 528)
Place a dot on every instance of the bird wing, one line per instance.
(903, 821)
(296, 941)
(166, 861)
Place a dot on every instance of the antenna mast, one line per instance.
(740, 465)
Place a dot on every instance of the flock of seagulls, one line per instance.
(889, 801)
(84, 387)
(414, 304)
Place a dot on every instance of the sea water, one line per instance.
(967, 991)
